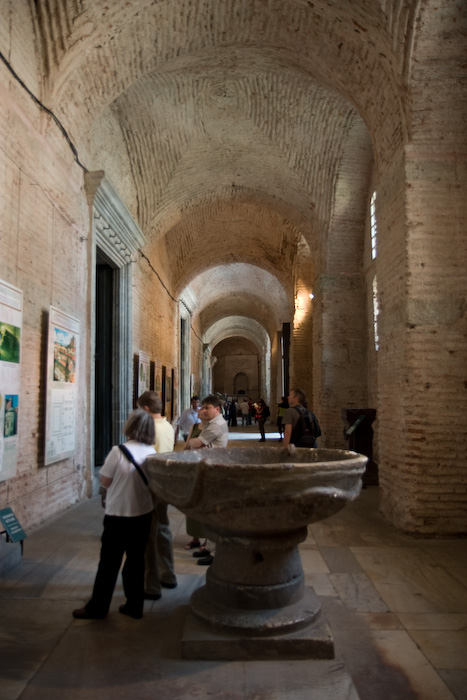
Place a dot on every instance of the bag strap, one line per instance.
(131, 459)
(307, 417)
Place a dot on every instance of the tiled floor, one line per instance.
(397, 608)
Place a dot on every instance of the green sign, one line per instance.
(12, 527)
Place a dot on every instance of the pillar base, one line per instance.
(201, 643)
(207, 642)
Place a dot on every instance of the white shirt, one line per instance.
(127, 495)
(188, 418)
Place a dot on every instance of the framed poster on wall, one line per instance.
(168, 394)
(11, 316)
(158, 377)
(144, 373)
(175, 406)
(62, 386)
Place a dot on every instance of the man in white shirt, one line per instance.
(188, 418)
(215, 434)
(159, 558)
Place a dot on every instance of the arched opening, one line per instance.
(237, 369)
(241, 383)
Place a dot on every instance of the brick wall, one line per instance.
(173, 172)
(339, 352)
(43, 231)
(422, 377)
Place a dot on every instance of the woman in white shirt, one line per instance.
(128, 512)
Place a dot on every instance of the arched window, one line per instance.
(373, 226)
(375, 313)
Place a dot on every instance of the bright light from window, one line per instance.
(375, 313)
(373, 226)
(302, 306)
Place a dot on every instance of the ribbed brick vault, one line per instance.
(230, 129)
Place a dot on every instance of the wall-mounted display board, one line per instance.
(168, 394)
(62, 386)
(11, 318)
(144, 373)
(174, 394)
(158, 377)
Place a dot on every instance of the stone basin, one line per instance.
(256, 504)
(265, 490)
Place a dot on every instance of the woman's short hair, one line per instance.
(140, 427)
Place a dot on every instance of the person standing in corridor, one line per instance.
(214, 434)
(159, 557)
(301, 427)
(128, 512)
(188, 418)
(262, 415)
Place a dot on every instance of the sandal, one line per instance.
(194, 544)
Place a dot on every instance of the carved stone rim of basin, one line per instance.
(257, 491)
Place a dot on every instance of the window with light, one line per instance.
(375, 313)
(373, 226)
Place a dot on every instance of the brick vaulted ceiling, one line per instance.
(234, 130)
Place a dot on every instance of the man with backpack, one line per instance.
(301, 427)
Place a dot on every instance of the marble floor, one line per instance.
(397, 608)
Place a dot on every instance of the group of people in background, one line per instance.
(136, 522)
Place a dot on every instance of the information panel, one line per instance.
(144, 373)
(62, 387)
(11, 315)
(158, 377)
(11, 524)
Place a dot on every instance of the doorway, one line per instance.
(103, 364)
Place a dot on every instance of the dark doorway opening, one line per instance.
(103, 359)
(285, 357)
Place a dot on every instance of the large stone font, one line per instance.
(256, 503)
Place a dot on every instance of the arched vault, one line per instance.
(239, 289)
(231, 326)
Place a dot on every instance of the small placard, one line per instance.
(12, 527)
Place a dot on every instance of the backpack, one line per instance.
(307, 429)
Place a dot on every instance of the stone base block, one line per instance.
(201, 642)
